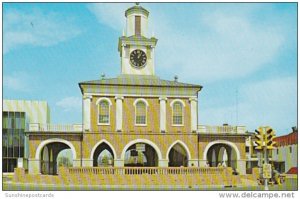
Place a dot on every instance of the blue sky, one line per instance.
(244, 56)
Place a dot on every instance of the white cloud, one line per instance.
(70, 104)
(111, 15)
(219, 45)
(35, 28)
(225, 46)
(270, 102)
(215, 45)
(18, 81)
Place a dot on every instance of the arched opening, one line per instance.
(64, 158)
(103, 156)
(221, 154)
(141, 155)
(178, 156)
(53, 155)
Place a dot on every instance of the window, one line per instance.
(138, 25)
(104, 112)
(247, 149)
(291, 149)
(277, 151)
(177, 113)
(140, 113)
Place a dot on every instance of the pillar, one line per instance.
(193, 163)
(85, 162)
(163, 112)
(34, 166)
(119, 112)
(76, 163)
(163, 163)
(118, 163)
(194, 118)
(202, 163)
(20, 163)
(87, 112)
(241, 166)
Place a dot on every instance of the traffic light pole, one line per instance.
(266, 162)
(265, 142)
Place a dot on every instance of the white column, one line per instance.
(20, 163)
(241, 166)
(85, 162)
(87, 112)
(34, 166)
(193, 163)
(119, 112)
(163, 112)
(163, 163)
(118, 163)
(193, 114)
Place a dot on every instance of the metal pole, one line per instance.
(266, 162)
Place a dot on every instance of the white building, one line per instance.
(16, 116)
(285, 155)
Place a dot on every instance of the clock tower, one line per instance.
(135, 46)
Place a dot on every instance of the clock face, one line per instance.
(138, 58)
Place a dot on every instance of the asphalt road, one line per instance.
(289, 185)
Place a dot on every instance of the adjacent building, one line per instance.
(16, 116)
(285, 156)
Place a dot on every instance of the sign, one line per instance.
(267, 171)
(140, 147)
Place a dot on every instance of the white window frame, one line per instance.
(109, 105)
(134, 104)
(183, 111)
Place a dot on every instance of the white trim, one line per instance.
(139, 95)
(163, 114)
(177, 100)
(140, 99)
(100, 142)
(178, 125)
(183, 145)
(134, 104)
(183, 111)
(158, 152)
(119, 112)
(48, 141)
(103, 98)
(109, 105)
(238, 156)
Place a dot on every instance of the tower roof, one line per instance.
(136, 9)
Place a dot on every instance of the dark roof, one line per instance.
(289, 139)
(139, 80)
(293, 170)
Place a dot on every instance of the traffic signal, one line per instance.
(269, 138)
(259, 138)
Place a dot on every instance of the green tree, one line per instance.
(104, 160)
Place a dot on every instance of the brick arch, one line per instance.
(106, 142)
(146, 141)
(48, 141)
(231, 144)
(183, 145)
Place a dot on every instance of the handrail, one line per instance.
(146, 170)
(55, 127)
(221, 129)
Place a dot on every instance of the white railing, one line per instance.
(146, 170)
(221, 129)
(37, 127)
